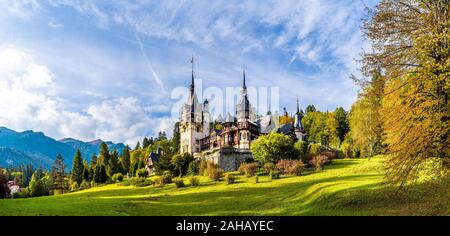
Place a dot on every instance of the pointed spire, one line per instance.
(192, 81)
(298, 109)
(244, 86)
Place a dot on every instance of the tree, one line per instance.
(86, 170)
(181, 162)
(310, 108)
(366, 123)
(58, 172)
(301, 147)
(176, 136)
(77, 168)
(273, 147)
(145, 143)
(125, 160)
(104, 155)
(102, 175)
(343, 125)
(411, 45)
(36, 187)
(138, 146)
(113, 166)
(3, 183)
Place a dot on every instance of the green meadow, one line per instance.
(345, 187)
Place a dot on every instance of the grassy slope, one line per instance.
(347, 187)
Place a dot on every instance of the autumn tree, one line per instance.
(411, 46)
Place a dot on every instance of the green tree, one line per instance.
(125, 160)
(113, 166)
(86, 169)
(310, 108)
(181, 162)
(273, 147)
(343, 125)
(77, 168)
(176, 136)
(58, 173)
(36, 187)
(301, 147)
(104, 155)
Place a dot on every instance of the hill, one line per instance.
(29, 147)
(347, 187)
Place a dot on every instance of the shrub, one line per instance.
(193, 168)
(117, 177)
(140, 182)
(319, 161)
(164, 179)
(249, 169)
(24, 193)
(142, 173)
(74, 186)
(230, 178)
(274, 174)
(290, 167)
(271, 147)
(179, 183)
(194, 181)
(316, 148)
(283, 166)
(268, 167)
(215, 173)
(256, 179)
(296, 167)
(202, 168)
(85, 185)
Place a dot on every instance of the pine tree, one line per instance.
(86, 169)
(145, 143)
(77, 168)
(125, 160)
(58, 172)
(113, 163)
(102, 175)
(138, 146)
(176, 136)
(104, 154)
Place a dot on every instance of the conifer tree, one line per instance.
(77, 168)
(104, 155)
(125, 160)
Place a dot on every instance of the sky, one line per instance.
(107, 69)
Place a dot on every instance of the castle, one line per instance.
(229, 145)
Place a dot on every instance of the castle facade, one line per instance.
(227, 141)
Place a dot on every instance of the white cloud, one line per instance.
(27, 102)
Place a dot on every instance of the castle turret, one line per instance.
(192, 118)
(243, 113)
(298, 126)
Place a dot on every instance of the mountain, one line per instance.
(29, 147)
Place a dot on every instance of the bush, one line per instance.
(142, 173)
(202, 168)
(215, 173)
(179, 183)
(249, 169)
(74, 186)
(24, 193)
(85, 185)
(193, 168)
(283, 166)
(140, 182)
(230, 178)
(316, 148)
(194, 181)
(268, 167)
(271, 147)
(274, 174)
(164, 179)
(256, 179)
(117, 177)
(319, 161)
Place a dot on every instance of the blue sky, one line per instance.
(105, 69)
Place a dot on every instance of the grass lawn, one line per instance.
(346, 187)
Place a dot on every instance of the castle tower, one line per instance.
(298, 126)
(192, 118)
(243, 113)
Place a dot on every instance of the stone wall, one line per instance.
(229, 159)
